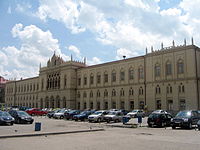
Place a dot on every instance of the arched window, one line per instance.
(98, 78)
(157, 70)
(181, 88)
(169, 89)
(140, 91)
(130, 91)
(85, 80)
(122, 92)
(168, 68)
(105, 93)
(180, 66)
(98, 93)
(113, 92)
(158, 91)
(131, 74)
(65, 81)
(91, 94)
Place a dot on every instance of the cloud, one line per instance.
(94, 61)
(125, 52)
(75, 50)
(37, 46)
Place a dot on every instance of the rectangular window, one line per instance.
(182, 104)
(168, 69)
(113, 77)
(157, 71)
(98, 79)
(105, 78)
(141, 73)
(180, 68)
(131, 74)
(131, 105)
(85, 80)
(122, 76)
(122, 104)
(169, 104)
(91, 79)
(158, 104)
(79, 81)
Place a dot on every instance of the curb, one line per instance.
(49, 133)
(126, 126)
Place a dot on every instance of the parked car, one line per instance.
(186, 118)
(198, 125)
(97, 116)
(6, 118)
(83, 115)
(115, 116)
(69, 115)
(51, 113)
(36, 111)
(21, 116)
(160, 111)
(136, 113)
(60, 114)
(159, 119)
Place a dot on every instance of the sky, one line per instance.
(100, 30)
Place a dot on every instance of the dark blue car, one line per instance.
(71, 114)
(83, 115)
(6, 118)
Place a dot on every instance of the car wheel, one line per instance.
(173, 127)
(61, 117)
(150, 125)
(99, 120)
(108, 121)
(163, 124)
(190, 126)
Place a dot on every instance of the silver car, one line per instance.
(97, 116)
(60, 114)
(115, 116)
(135, 113)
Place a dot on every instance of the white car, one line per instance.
(136, 113)
(60, 114)
(97, 116)
(160, 111)
(115, 116)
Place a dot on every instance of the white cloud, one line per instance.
(37, 46)
(125, 52)
(75, 50)
(94, 61)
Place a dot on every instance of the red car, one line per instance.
(36, 111)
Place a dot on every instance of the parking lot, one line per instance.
(111, 138)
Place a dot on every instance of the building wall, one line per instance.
(143, 82)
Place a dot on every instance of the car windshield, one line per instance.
(22, 113)
(84, 112)
(184, 114)
(135, 111)
(97, 112)
(4, 114)
(154, 115)
(112, 113)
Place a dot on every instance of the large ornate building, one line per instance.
(164, 79)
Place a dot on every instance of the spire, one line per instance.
(71, 58)
(173, 43)
(192, 41)
(40, 65)
(151, 48)
(185, 42)
(162, 45)
(84, 60)
(146, 50)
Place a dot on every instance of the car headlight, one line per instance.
(185, 119)
(22, 117)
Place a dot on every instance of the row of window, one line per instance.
(113, 76)
(168, 66)
(131, 91)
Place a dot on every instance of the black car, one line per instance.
(185, 119)
(70, 114)
(21, 116)
(6, 118)
(159, 119)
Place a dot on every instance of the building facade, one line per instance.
(2, 90)
(163, 79)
